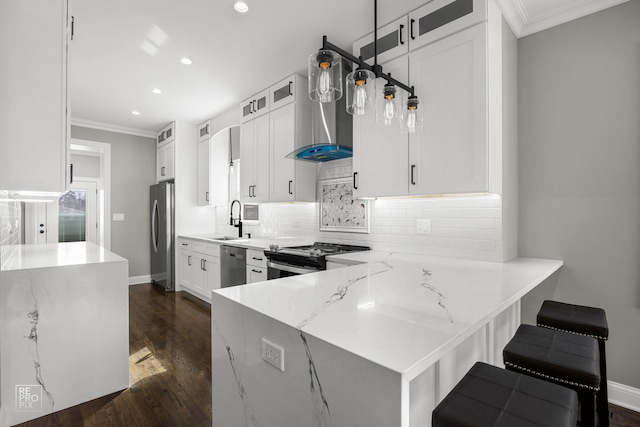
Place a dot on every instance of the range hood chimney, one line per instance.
(331, 131)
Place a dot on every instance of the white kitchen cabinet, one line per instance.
(286, 91)
(381, 153)
(165, 162)
(34, 127)
(256, 266)
(255, 106)
(441, 18)
(450, 76)
(204, 130)
(199, 267)
(254, 157)
(185, 265)
(291, 180)
(213, 169)
(392, 42)
(166, 135)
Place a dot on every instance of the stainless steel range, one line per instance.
(294, 260)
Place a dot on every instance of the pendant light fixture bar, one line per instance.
(375, 69)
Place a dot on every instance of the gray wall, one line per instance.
(133, 164)
(86, 166)
(579, 158)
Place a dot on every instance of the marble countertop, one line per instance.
(401, 311)
(250, 243)
(24, 257)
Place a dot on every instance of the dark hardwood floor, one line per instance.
(170, 370)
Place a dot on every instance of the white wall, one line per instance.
(579, 156)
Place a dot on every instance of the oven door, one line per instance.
(278, 270)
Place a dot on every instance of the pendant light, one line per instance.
(325, 85)
(361, 91)
(325, 76)
(230, 153)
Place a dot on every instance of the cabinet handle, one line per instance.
(188, 259)
(253, 193)
(256, 271)
(72, 27)
(206, 132)
(71, 173)
(290, 90)
(204, 265)
(162, 171)
(253, 106)
(290, 182)
(401, 28)
(355, 187)
(413, 37)
(413, 168)
(185, 244)
(256, 258)
(206, 196)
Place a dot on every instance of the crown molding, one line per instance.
(522, 24)
(112, 128)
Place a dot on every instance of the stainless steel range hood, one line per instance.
(331, 132)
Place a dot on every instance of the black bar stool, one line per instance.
(492, 397)
(566, 359)
(589, 321)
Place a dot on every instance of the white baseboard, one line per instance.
(139, 279)
(625, 396)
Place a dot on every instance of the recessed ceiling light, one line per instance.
(156, 91)
(135, 112)
(241, 7)
(186, 61)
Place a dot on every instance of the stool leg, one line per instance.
(587, 408)
(602, 397)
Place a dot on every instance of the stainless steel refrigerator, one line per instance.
(162, 235)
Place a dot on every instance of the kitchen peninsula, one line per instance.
(377, 343)
(64, 328)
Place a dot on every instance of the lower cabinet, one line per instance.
(256, 266)
(199, 267)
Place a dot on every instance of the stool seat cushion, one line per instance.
(579, 319)
(490, 396)
(559, 356)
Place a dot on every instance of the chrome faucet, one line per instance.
(236, 222)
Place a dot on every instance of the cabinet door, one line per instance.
(219, 168)
(160, 164)
(186, 259)
(450, 154)
(261, 161)
(165, 162)
(392, 42)
(203, 173)
(282, 93)
(33, 96)
(204, 131)
(381, 153)
(211, 267)
(282, 128)
(261, 103)
(199, 279)
(441, 18)
(166, 135)
(247, 167)
(256, 274)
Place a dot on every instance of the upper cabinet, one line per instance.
(266, 174)
(255, 106)
(392, 42)
(213, 165)
(34, 128)
(458, 73)
(165, 153)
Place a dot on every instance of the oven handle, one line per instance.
(291, 268)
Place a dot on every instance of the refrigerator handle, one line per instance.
(154, 225)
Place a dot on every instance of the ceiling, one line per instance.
(122, 49)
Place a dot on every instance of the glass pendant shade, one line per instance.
(412, 115)
(325, 76)
(389, 104)
(361, 90)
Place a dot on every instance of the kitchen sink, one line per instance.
(221, 238)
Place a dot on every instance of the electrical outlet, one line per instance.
(273, 354)
(423, 226)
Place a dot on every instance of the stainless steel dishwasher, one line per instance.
(233, 266)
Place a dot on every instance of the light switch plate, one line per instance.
(118, 217)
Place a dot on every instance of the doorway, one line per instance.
(78, 213)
